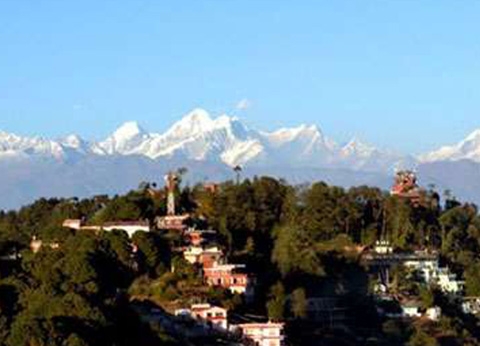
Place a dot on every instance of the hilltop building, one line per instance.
(406, 186)
(442, 277)
(427, 266)
(173, 222)
(36, 244)
(213, 317)
(207, 257)
(413, 309)
(383, 247)
(231, 277)
(199, 237)
(130, 227)
(448, 281)
(263, 334)
(471, 305)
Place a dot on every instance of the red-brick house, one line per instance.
(231, 277)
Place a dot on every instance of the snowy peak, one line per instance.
(196, 122)
(199, 137)
(356, 147)
(467, 149)
(474, 136)
(285, 135)
(470, 147)
(224, 139)
(13, 146)
(73, 141)
(128, 130)
(359, 155)
(123, 141)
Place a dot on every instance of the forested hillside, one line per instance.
(301, 243)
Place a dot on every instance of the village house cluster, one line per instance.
(200, 250)
(219, 273)
(203, 251)
(429, 272)
(216, 318)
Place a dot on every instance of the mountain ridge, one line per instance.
(466, 149)
(34, 167)
(198, 136)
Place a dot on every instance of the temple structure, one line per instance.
(406, 186)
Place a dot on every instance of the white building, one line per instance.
(263, 334)
(73, 224)
(130, 227)
(173, 222)
(210, 316)
(431, 273)
(427, 267)
(434, 314)
(413, 309)
(447, 281)
(383, 247)
(471, 305)
(36, 244)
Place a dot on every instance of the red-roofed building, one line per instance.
(173, 222)
(231, 277)
(207, 257)
(199, 237)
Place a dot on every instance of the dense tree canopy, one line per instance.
(299, 242)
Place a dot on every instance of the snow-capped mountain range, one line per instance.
(210, 147)
(224, 139)
(467, 149)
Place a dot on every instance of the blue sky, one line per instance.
(401, 74)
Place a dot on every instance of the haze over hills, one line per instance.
(210, 147)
